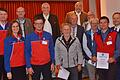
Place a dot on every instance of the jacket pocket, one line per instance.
(74, 61)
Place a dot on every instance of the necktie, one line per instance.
(73, 31)
(22, 27)
(78, 21)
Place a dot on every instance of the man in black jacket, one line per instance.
(77, 30)
(116, 27)
(51, 21)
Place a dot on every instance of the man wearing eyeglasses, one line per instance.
(25, 23)
(39, 49)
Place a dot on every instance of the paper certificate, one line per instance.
(63, 73)
(102, 60)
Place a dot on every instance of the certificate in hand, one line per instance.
(63, 73)
(102, 60)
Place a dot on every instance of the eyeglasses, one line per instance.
(20, 11)
(15, 26)
(38, 23)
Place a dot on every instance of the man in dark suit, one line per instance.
(77, 31)
(116, 27)
(82, 16)
(51, 21)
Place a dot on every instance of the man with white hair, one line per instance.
(51, 21)
(86, 25)
(87, 47)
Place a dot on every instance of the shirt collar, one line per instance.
(46, 17)
(21, 21)
(117, 28)
(3, 24)
(95, 31)
(18, 37)
(77, 13)
(40, 34)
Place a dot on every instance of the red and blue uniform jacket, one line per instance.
(107, 44)
(3, 33)
(13, 53)
(39, 50)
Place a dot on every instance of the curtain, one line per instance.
(59, 8)
(86, 5)
(98, 9)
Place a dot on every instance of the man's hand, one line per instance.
(111, 60)
(94, 59)
(57, 68)
(9, 75)
(52, 67)
(30, 71)
(79, 67)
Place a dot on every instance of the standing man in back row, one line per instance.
(25, 23)
(82, 16)
(51, 21)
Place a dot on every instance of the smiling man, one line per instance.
(39, 49)
(51, 21)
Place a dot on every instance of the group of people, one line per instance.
(42, 47)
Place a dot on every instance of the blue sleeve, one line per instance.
(7, 55)
(117, 47)
(28, 51)
(51, 48)
(94, 49)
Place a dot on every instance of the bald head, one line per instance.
(20, 11)
(45, 8)
(78, 7)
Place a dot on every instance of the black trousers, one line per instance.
(44, 69)
(80, 75)
(3, 74)
(107, 74)
(19, 73)
(118, 71)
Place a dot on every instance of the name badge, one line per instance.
(109, 42)
(44, 42)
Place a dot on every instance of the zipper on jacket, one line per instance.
(67, 47)
(68, 56)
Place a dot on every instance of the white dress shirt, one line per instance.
(22, 26)
(47, 25)
(3, 25)
(78, 15)
(74, 30)
(117, 28)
